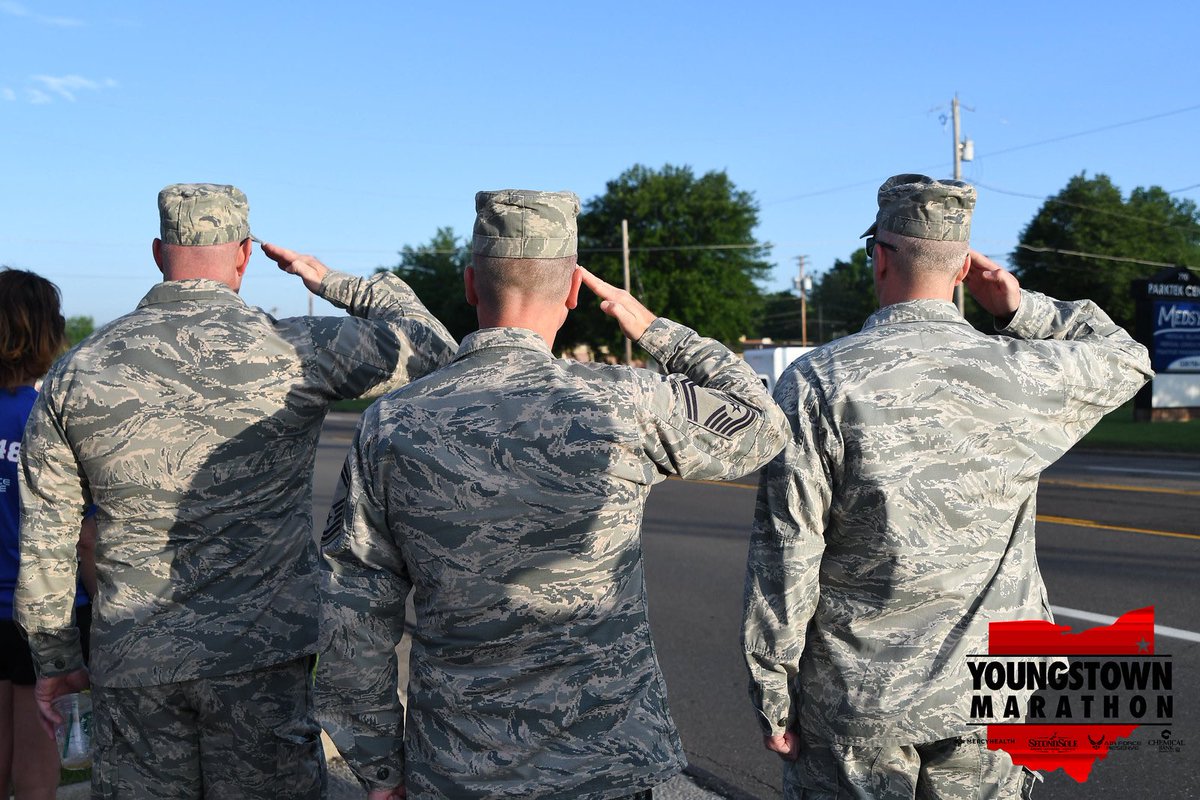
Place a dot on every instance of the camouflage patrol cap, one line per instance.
(925, 208)
(517, 223)
(196, 214)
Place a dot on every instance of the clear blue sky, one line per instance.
(358, 128)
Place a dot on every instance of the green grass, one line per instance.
(69, 776)
(1119, 431)
(351, 406)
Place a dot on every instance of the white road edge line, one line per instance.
(1146, 471)
(1159, 630)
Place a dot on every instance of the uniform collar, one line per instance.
(487, 338)
(915, 311)
(193, 290)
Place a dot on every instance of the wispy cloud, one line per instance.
(65, 86)
(17, 10)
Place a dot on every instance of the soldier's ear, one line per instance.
(156, 248)
(244, 251)
(962, 272)
(576, 282)
(469, 285)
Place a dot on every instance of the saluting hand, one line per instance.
(620, 305)
(995, 289)
(307, 268)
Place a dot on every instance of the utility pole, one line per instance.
(964, 150)
(625, 258)
(804, 284)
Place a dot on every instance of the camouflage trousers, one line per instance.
(249, 735)
(949, 769)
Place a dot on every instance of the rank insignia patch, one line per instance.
(722, 416)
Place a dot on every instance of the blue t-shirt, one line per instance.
(15, 405)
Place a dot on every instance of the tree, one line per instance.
(435, 272)
(840, 301)
(78, 329)
(845, 295)
(780, 318)
(1090, 216)
(693, 255)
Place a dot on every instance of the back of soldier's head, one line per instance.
(927, 221)
(525, 243)
(201, 221)
(203, 214)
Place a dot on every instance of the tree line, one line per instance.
(695, 259)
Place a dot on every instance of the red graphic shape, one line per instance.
(1076, 748)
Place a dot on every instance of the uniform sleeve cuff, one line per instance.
(56, 653)
(335, 287)
(1029, 319)
(380, 775)
(663, 338)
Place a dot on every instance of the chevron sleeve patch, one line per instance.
(715, 413)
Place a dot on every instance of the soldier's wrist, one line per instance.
(661, 338)
(57, 653)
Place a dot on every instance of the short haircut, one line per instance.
(544, 278)
(32, 328)
(924, 257)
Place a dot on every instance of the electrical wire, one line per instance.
(1005, 151)
(1089, 132)
(647, 249)
(1080, 206)
(1102, 257)
(680, 247)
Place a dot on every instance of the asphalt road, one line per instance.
(1115, 533)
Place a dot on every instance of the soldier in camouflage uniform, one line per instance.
(899, 520)
(506, 492)
(192, 424)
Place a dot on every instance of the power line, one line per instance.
(1083, 207)
(1102, 257)
(1090, 131)
(647, 249)
(1005, 151)
(870, 182)
(672, 248)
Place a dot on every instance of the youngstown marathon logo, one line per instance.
(1054, 698)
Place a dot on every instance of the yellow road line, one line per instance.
(1117, 487)
(1070, 521)
(1088, 523)
(1044, 482)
